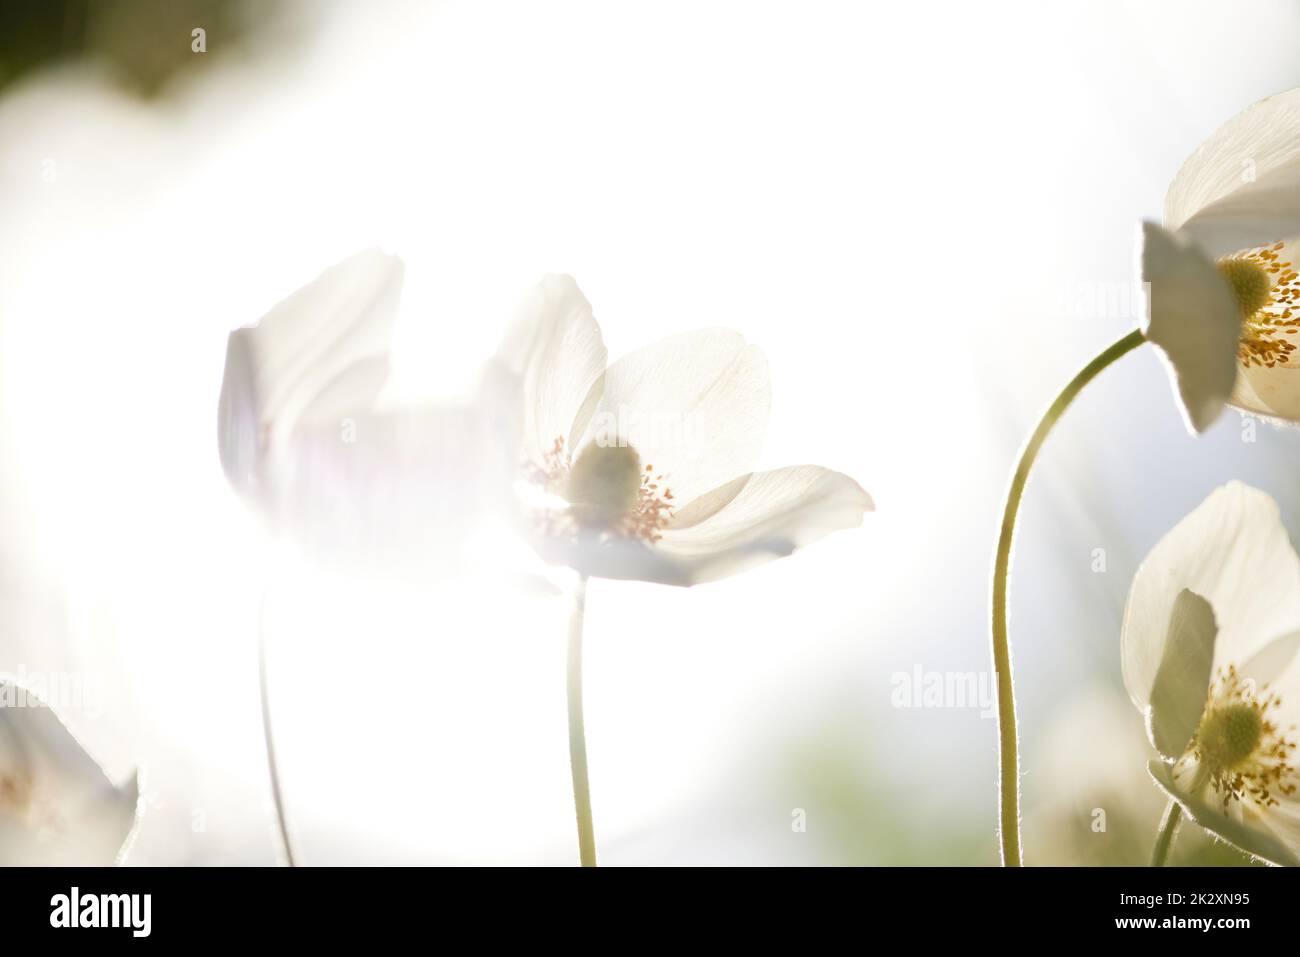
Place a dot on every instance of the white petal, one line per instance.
(278, 368)
(57, 808)
(556, 351)
(1233, 551)
(765, 515)
(694, 406)
(1182, 679)
(1241, 188)
(1256, 840)
(1267, 666)
(1271, 393)
(1193, 319)
(1282, 821)
(399, 490)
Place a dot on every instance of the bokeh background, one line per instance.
(915, 209)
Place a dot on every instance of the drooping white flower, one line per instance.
(57, 808)
(1209, 643)
(643, 469)
(1223, 290)
(304, 439)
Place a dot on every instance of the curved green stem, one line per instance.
(1008, 762)
(577, 731)
(1168, 830)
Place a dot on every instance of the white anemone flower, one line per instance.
(644, 469)
(305, 439)
(1220, 308)
(57, 808)
(1223, 288)
(1209, 646)
(318, 356)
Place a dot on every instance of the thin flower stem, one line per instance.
(276, 794)
(1008, 762)
(577, 731)
(1168, 831)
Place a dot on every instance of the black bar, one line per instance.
(331, 905)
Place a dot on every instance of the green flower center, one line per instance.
(1229, 735)
(604, 483)
(1250, 283)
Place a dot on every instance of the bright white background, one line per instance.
(893, 200)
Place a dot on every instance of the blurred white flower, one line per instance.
(57, 808)
(1089, 758)
(304, 437)
(317, 357)
(643, 469)
(1209, 646)
(1223, 290)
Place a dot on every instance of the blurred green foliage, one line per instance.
(143, 44)
(862, 816)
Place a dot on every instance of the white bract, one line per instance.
(1209, 646)
(1223, 290)
(643, 469)
(57, 808)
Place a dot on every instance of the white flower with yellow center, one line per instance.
(1209, 643)
(1221, 309)
(1223, 288)
(644, 468)
(57, 808)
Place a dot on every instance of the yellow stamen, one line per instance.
(15, 793)
(1244, 752)
(1267, 291)
(608, 491)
